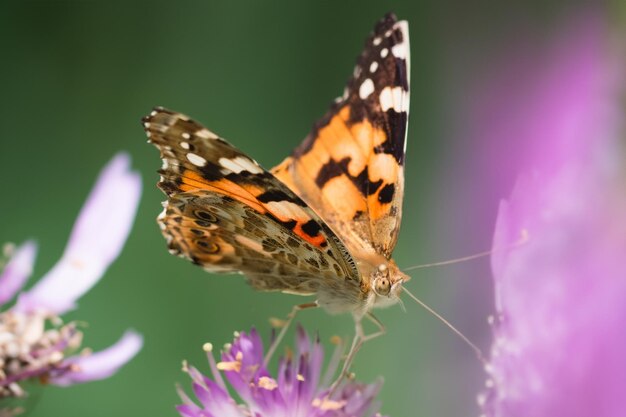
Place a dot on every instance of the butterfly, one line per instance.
(323, 222)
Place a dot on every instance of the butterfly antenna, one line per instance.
(451, 261)
(476, 349)
(523, 239)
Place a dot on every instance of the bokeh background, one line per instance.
(78, 76)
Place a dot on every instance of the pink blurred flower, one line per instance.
(34, 341)
(559, 343)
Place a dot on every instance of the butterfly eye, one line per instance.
(382, 286)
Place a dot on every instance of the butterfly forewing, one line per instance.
(226, 213)
(350, 167)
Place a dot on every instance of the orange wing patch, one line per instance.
(285, 211)
(191, 181)
(345, 174)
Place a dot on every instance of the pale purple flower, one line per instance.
(298, 390)
(34, 340)
(559, 333)
(96, 240)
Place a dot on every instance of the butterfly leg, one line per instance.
(285, 327)
(359, 338)
(381, 328)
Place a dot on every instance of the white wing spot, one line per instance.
(384, 52)
(399, 50)
(153, 113)
(146, 125)
(367, 88)
(185, 135)
(388, 33)
(395, 98)
(206, 134)
(184, 145)
(373, 66)
(240, 163)
(197, 160)
(377, 40)
(287, 209)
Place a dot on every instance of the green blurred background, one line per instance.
(78, 76)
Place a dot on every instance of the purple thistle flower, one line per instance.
(299, 390)
(34, 341)
(559, 343)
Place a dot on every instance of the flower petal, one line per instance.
(187, 410)
(17, 271)
(96, 240)
(103, 364)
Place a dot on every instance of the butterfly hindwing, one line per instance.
(350, 168)
(226, 213)
(223, 234)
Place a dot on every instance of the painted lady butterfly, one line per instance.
(325, 221)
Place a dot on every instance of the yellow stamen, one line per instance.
(267, 383)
